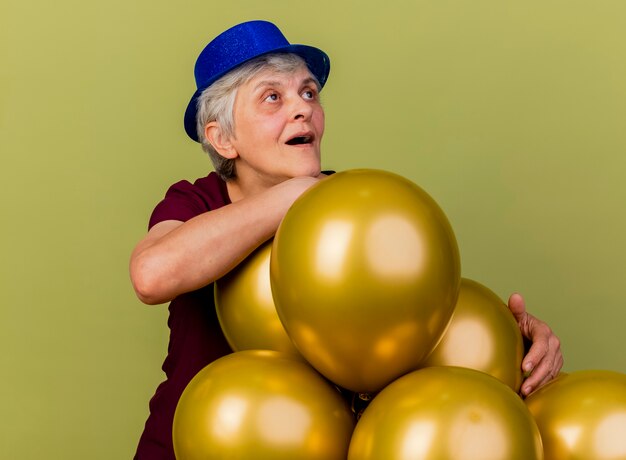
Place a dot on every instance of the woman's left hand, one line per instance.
(544, 358)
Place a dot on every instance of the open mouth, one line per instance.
(300, 140)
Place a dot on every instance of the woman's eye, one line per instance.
(308, 94)
(272, 97)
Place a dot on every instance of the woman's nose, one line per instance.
(302, 109)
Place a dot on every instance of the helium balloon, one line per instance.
(261, 404)
(482, 335)
(582, 415)
(365, 273)
(245, 308)
(450, 413)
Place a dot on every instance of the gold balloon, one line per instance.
(245, 308)
(482, 335)
(261, 405)
(365, 273)
(449, 413)
(582, 415)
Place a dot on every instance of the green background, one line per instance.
(510, 114)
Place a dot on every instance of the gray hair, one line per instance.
(216, 103)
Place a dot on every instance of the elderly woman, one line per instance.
(257, 114)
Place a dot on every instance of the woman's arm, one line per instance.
(176, 257)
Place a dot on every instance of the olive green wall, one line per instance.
(511, 114)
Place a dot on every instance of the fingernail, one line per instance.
(528, 366)
(526, 390)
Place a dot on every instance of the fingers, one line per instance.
(527, 323)
(559, 364)
(517, 306)
(544, 360)
(530, 385)
(539, 333)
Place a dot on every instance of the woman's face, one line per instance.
(279, 124)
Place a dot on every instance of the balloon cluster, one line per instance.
(360, 296)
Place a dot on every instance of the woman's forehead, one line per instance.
(270, 76)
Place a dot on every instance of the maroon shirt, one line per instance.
(196, 338)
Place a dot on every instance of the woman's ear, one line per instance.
(214, 134)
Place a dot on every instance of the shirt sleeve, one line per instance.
(181, 202)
